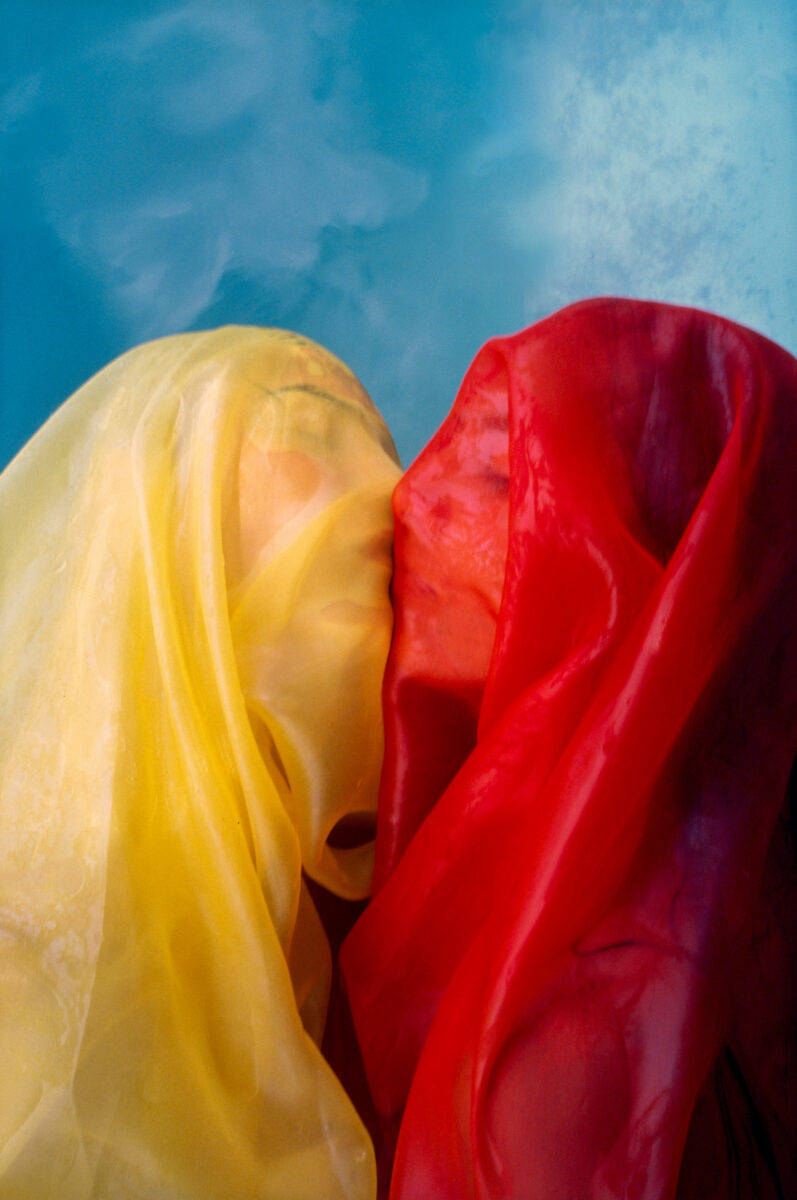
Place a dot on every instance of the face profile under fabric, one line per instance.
(577, 973)
(194, 618)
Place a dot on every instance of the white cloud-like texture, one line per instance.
(673, 129)
(18, 100)
(220, 135)
(399, 180)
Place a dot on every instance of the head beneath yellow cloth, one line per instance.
(194, 618)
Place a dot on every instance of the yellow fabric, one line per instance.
(194, 618)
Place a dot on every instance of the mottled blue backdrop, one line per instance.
(398, 179)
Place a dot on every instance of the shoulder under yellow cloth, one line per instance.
(194, 617)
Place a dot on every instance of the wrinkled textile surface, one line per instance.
(578, 970)
(194, 617)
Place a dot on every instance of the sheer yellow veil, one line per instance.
(194, 618)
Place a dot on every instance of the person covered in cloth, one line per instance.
(194, 619)
(577, 976)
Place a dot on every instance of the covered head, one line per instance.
(577, 974)
(194, 618)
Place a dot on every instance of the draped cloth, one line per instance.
(194, 617)
(577, 974)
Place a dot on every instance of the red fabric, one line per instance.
(571, 972)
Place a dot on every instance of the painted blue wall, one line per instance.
(398, 180)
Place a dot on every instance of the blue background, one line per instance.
(398, 180)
